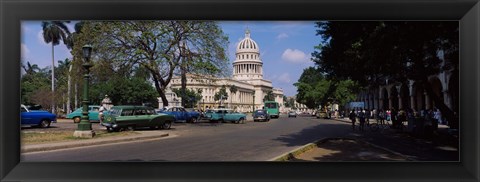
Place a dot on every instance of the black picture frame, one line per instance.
(467, 12)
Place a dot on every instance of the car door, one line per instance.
(93, 113)
(183, 113)
(141, 118)
(26, 117)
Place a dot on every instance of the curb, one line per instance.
(39, 148)
(296, 152)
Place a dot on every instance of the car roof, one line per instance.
(131, 107)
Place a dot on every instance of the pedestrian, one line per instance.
(352, 117)
(394, 118)
(361, 116)
(100, 114)
(381, 116)
(388, 115)
(367, 116)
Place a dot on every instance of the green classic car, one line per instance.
(131, 117)
(224, 115)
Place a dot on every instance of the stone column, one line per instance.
(400, 104)
(427, 101)
(413, 105)
(390, 103)
(446, 99)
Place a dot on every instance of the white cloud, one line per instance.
(285, 77)
(294, 56)
(25, 51)
(282, 36)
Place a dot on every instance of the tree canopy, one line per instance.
(373, 53)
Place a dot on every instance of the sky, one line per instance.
(285, 47)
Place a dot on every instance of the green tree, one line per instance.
(33, 80)
(191, 97)
(54, 32)
(269, 96)
(161, 47)
(221, 94)
(233, 90)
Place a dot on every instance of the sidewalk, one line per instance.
(389, 144)
(144, 135)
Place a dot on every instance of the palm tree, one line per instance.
(30, 69)
(233, 90)
(269, 96)
(53, 32)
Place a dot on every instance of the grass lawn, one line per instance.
(62, 136)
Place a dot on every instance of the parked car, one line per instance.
(314, 113)
(181, 114)
(131, 117)
(92, 114)
(261, 115)
(224, 115)
(208, 114)
(322, 114)
(292, 114)
(36, 117)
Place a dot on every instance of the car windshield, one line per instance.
(115, 111)
(259, 112)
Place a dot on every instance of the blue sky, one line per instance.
(285, 47)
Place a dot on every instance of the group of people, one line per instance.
(429, 118)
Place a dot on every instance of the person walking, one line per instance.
(367, 116)
(381, 116)
(393, 117)
(100, 114)
(352, 117)
(361, 116)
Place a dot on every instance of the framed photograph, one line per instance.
(239, 90)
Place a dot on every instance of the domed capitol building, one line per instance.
(247, 77)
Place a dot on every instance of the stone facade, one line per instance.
(247, 77)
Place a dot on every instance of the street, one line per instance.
(253, 141)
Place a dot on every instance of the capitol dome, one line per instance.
(247, 44)
(247, 64)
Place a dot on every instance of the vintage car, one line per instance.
(92, 114)
(36, 117)
(292, 114)
(182, 115)
(322, 114)
(208, 113)
(131, 117)
(261, 115)
(227, 115)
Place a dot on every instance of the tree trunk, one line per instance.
(184, 85)
(446, 112)
(69, 84)
(53, 81)
(76, 96)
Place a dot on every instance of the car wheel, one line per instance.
(45, 123)
(130, 128)
(76, 119)
(167, 125)
(241, 120)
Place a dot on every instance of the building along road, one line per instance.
(253, 141)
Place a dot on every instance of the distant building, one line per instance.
(247, 77)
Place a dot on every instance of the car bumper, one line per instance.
(110, 125)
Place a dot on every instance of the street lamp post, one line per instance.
(253, 104)
(84, 128)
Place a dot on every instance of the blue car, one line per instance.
(182, 115)
(39, 118)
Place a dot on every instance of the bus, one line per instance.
(272, 109)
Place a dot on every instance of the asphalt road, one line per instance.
(253, 141)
